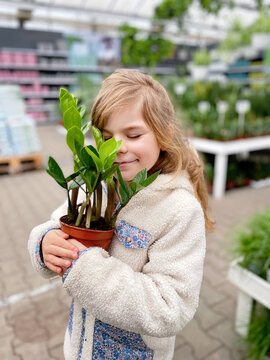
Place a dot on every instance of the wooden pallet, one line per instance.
(17, 164)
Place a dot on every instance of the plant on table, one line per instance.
(92, 166)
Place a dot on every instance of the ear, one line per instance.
(170, 132)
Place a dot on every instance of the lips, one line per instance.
(124, 162)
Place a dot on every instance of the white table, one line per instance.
(222, 149)
(250, 286)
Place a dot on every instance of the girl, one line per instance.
(130, 302)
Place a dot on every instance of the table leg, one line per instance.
(243, 313)
(220, 175)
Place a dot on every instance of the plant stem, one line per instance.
(88, 215)
(74, 196)
(84, 204)
(98, 201)
(110, 204)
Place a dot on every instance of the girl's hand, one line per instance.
(77, 244)
(58, 253)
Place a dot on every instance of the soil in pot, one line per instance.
(98, 236)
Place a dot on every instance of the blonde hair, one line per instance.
(124, 86)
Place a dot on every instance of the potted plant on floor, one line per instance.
(250, 272)
(92, 167)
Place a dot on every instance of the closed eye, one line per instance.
(133, 136)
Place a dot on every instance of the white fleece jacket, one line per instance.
(130, 302)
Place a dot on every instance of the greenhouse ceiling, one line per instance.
(106, 15)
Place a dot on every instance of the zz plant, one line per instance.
(92, 166)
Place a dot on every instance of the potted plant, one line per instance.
(261, 32)
(250, 272)
(199, 66)
(92, 166)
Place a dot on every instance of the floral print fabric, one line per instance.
(113, 343)
(131, 236)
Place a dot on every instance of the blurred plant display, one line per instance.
(241, 36)
(251, 246)
(207, 124)
(144, 50)
(201, 57)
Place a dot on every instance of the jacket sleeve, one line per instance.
(35, 239)
(160, 300)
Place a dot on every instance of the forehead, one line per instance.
(129, 117)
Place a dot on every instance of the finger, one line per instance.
(62, 234)
(63, 253)
(64, 244)
(57, 261)
(54, 268)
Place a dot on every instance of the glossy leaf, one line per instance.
(74, 134)
(92, 152)
(123, 184)
(108, 148)
(81, 110)
(150, 179)
(86, 159)
(98, 136)
(135, 187)
(109, 161)
(72, 117)
(86, 127)
(66, 100)
(76, 183)
(140, 177)
(55, 171)
(109, 172)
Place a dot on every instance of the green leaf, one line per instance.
(140, 177)
(86, 127)
(86, 159)
(55, 171)
(92, 152)
(150, 179)
(123, 184)
(66, 100)
(76, 183)
(74, 175)
(135, 187)
(72, 117)
(108, 173)
(89, 177)
(81, 110)
(108, 148)
(99, 138)
(109, 161)
(124, 196)
(74, 134)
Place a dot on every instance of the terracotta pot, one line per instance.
(88, 237)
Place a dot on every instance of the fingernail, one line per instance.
(67, 263)
(74, 255)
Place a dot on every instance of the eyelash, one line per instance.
(130, 137)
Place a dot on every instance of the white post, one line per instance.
(243, 313)
(220, 175)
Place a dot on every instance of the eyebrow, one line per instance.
(137, 127)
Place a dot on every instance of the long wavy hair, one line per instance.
(125, 86)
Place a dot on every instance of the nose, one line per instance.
(123, 149)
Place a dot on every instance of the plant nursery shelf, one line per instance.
(222, 149)
(17, 164)
(39, 52)
(250, 287)
(81, 69)
(40, 80)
